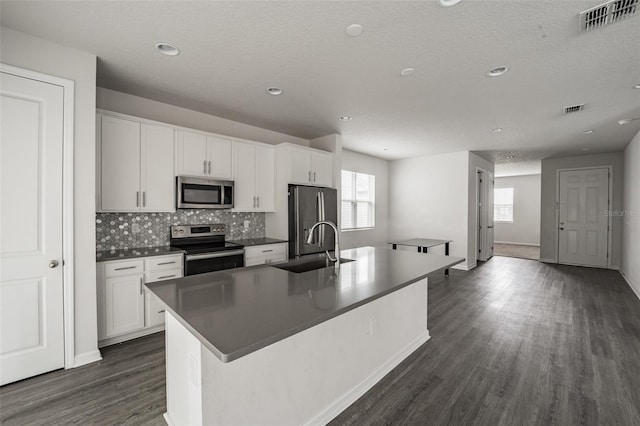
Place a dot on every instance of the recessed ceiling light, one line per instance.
(497, 71)
(345, 118)
(448, 3)
(627, 120)
(168, 49)
(354, 30)
(386, 149)
(588, 132)
(275, 91)
(407, 72)
(496, 130)
(637, 86)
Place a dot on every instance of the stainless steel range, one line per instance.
(205, 248)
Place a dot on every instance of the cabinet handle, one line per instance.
(137, 198)
(125, 267)
(258, 201)
(140, 285)
(309, 175)
(204, 165)
(167, 276)
(144, 198)
(161, 311)
(167, 263)
(314, 176)
(266, 251)
(209, 167)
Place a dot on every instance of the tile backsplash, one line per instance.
(130, 230)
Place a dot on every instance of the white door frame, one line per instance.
(67, 202)
(480, 197)
(609, 202)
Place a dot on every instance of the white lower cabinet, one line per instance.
(125, 309)
(268, 253)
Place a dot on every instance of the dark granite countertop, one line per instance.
(239, 311)
(248, 242)
(132, 253)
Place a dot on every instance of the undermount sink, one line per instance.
(299, 266)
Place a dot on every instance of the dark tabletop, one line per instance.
(239, 311)
(131, 253)
(248, 242)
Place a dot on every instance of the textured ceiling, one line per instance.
(231, 52)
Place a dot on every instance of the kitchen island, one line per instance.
(264, 345)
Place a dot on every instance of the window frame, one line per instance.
(353, 199)
(495, 220)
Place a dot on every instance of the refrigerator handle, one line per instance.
(320, 213)
(297, 213)
(323, 218)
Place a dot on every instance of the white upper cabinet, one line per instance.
(199, 154)
(254, 177)
(136, 166)
(310, 166)
(120, 165)
(156, 174)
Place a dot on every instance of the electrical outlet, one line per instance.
(246, 224)
(373, 327)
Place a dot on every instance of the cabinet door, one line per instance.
(157, 177)
(124, 304)
(321, 169)
(219, 158)
(265, 178)
(155, 311)
(244, 176)
(120, 165)
(191, 154)
(300, 166)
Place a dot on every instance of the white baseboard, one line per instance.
(86, 358)
(129, 336)
(464, 267)
(614, 267)
(168, 419)
(547, 260)
(517, 243)
(342, 402)
(635, 291)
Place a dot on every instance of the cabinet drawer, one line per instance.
(160, 263)
(154, 311)
(122, 268)
(167, 274)
(258, 255)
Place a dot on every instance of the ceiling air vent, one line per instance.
(573, 108)
(607, 13)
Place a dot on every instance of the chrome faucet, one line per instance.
(337, 247)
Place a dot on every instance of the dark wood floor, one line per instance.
(513, 342)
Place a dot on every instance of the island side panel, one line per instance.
(184, 384)
(312, 376)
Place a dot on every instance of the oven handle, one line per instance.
(213, 255)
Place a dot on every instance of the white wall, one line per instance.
(475, 162)
(525, 228)
(429, 197)
(549, 184)
(153, 110)
(631, 220)
(25, 51)
(379, 235)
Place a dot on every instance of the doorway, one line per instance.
(484, 214)
(36, 293)
(583, 226)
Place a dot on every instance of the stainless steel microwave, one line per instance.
(203, 193)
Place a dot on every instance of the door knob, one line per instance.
(53, 263)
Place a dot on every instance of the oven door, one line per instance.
(210, 262)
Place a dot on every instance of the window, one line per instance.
(503, 205)
(358, 200)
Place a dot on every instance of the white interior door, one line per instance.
(31, 286)
(488, 208)
(583, 224)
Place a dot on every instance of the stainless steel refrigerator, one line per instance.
(308, 205)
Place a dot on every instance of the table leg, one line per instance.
(446, 253)
(395, 246)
